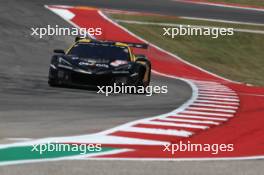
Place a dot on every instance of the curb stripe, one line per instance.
(216, 95)
(215, 106)
(211, 109)
(218, 102)
(157, 126)
(171, 123)
(172, 118)
(218, 99)
(198, 117)
(179, 133)
(207, 113)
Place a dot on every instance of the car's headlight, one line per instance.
(64, 62)
(118, 63)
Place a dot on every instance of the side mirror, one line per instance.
(77, 38)
(59, 51)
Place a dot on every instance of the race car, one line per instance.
(91, 62)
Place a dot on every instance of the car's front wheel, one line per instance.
(52, 78)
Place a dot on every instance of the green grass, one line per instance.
(177, 20)
(243, 2)
(239, 57)
(25, 153)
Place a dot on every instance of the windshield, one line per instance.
(100, 51)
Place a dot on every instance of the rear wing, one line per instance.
(135, 45)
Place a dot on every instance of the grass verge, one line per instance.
(242, 2)
(239, 57)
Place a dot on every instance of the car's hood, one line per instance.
(89, 63)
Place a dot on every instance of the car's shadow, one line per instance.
(72, 87)
(92, 89)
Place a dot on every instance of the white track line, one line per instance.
(185, 159)
(191, 18)
(110, 139)
(172, 132)
(221, 21)
(222, 5)
(187, 25)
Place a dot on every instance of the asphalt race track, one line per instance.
(29, 108)
(170, 7)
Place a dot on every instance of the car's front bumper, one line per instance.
(82, 78)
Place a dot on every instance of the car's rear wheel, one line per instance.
(146, 81)
(140, 77)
